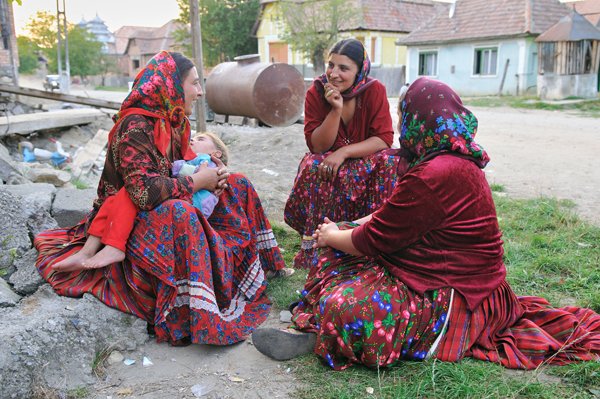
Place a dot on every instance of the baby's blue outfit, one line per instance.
(204, 200)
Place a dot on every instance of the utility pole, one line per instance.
(197, 54)
(61, 24)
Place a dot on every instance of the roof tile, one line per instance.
(484, 19)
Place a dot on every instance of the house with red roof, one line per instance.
(136, 45)
(569, 59)
(590, 9)
(483, 47)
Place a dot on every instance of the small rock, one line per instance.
(200, 390)
(146, 362)
(115, 357)
(285, 316)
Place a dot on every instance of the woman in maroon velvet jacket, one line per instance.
(423, 276)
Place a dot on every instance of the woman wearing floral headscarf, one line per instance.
(423, 276)
(194, 280)
(350, 169)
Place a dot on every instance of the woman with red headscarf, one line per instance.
(350, 169)
(423, 276)
(194, 280)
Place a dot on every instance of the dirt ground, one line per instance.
(534, 153)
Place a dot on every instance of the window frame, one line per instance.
(492, 63)
(424, 53)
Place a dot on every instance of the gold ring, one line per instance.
(329, 92)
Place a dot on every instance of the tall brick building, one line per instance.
(9, 55)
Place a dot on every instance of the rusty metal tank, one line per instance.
(272, 93)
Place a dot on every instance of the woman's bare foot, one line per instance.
(76, 261)
(105, 257)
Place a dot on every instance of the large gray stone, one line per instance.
(7, 296)
(39, 173)
(51, 342)
(34, 195)
(26, 280)
(7, 164)
(72, 205)
(36, 200)
(40, 221)
(14, 235)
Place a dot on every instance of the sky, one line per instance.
(115, 13)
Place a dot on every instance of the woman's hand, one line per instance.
(333, 96)
(324, 232)
(211, 179)
(223, 175)
(329, 166)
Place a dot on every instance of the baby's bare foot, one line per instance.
(108, 255)
(73, 262)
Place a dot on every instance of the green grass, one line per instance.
(283, 291)
(79, 184)
(585, 107)
(497, 188)
(549, 252)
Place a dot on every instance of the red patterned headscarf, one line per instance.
(434, 121)
(157, 92)
(361, 82)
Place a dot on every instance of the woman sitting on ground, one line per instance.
(350, 169)
(423, 276)
(196, 280)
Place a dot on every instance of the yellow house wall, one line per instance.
(387, 54)
(270, 29)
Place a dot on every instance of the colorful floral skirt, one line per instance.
(196, 280)
(360, 187)
(364, 315)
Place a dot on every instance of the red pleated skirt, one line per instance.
(360, 187)
(196, 280)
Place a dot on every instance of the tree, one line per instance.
(108, 65)
(28, 55)
(312, 26)
(226, 28)
(84, 50)
(42, 30)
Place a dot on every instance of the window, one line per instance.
(485, 61)
(136, 64)
(428, 63)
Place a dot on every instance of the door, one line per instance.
(278, 52)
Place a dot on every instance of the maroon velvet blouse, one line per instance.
(371, 117)
(439, 229)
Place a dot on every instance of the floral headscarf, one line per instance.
(361, 82)
(157, 92)
(434, 121)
